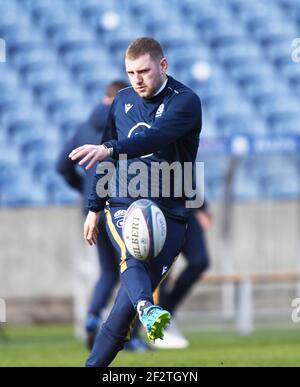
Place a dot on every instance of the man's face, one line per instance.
(146, 75)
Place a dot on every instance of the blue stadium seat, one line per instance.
(47, 12)
(45, 75)
(291, 71)
(58, 94)
(191, 52)
(268, 89)
(57, 190)
(117, 38)
(279, 53)
(3, 138)
(10, 161)
(38, 151)
(206, 16)
(24, 58)
(245, 188)
(215, 171)
(172, 36)
(12, 94)
(8, 76)
(93, 73)
(20, 133)
(263, 177)
(104, 16)
(235, 54)
(252, 72)
(192, 7)
(279, 179)
(21, 194)
(289, 123)
(22, 113)
(267, 30)
(254, 10)
(296, 88)
(208, 127)
(11, 21)
(69, 115)
(16, 183)
(221, 34)
(91, 52)
(232, 117)
(290, 4)
(45, 91)
(24, 38)
(71, 37)
(278, 104)
(213, 93)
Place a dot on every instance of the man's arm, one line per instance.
(95, 203)
(90, 229)
(67, 168)
(183, 115)
(204, 215)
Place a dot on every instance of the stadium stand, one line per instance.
(60, 55)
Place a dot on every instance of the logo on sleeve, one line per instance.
(138, 128)
(128, 106)
(160, 110)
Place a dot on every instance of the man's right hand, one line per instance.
(90, 154)
(91, 230)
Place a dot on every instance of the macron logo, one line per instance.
(128, 106)
(164, 270)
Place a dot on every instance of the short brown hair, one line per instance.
(142, 46)
(114, 87)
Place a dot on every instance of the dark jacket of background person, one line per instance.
(89, 133)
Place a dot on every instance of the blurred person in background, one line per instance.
(92, 132)
(171, 293)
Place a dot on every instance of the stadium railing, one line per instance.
(243, 310)
(238, 287)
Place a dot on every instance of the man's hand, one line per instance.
(205, 219)
(91, 230)
(91, 153)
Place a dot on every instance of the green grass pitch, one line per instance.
(56, 346)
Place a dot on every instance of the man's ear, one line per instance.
(164, 65)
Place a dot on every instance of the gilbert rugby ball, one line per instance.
(144, 229)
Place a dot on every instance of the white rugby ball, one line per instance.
(144, 229)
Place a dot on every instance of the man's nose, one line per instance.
(138, 79)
